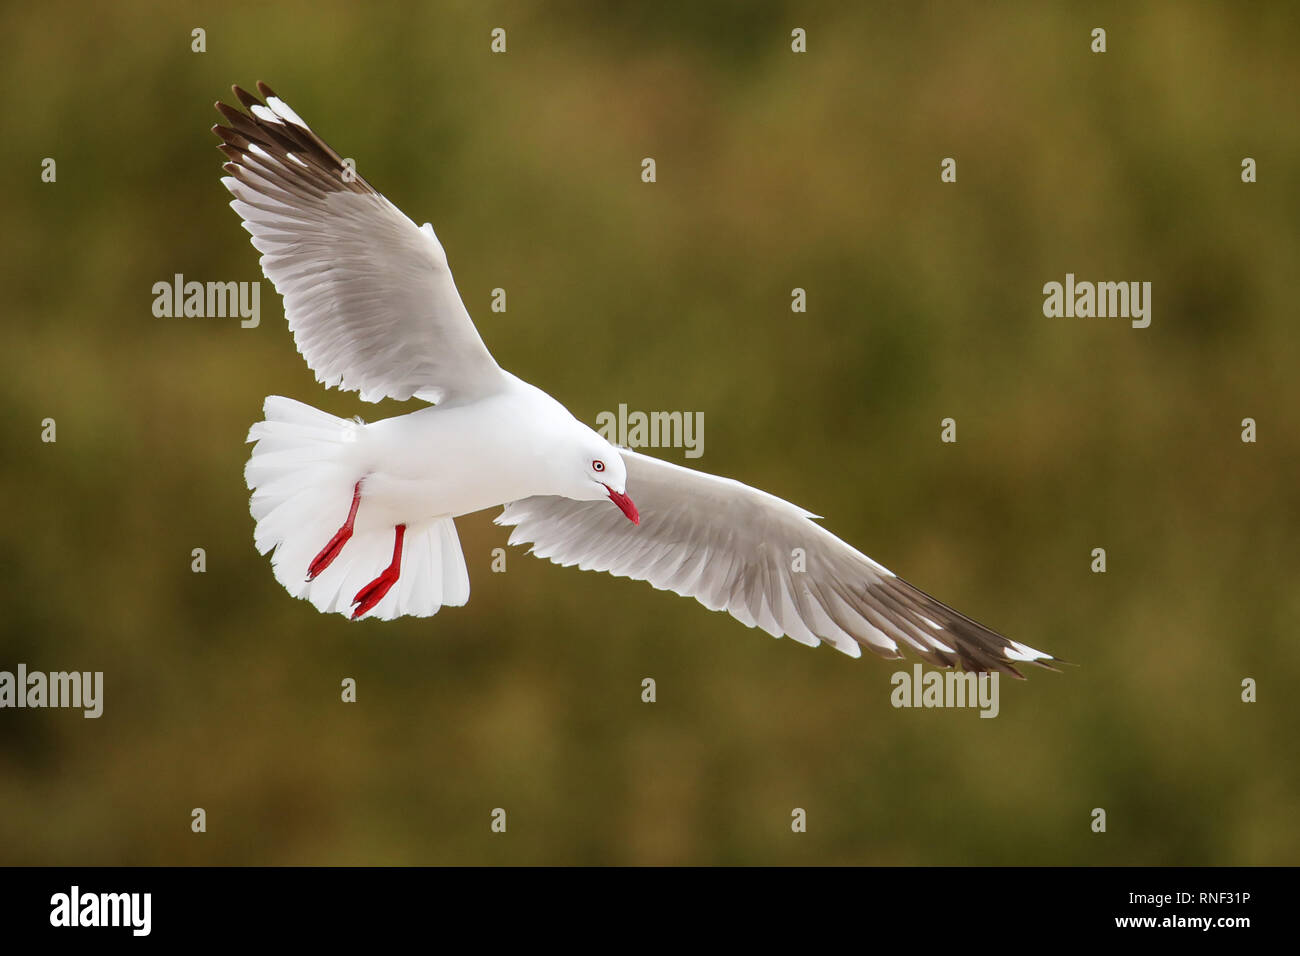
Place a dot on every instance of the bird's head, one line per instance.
(598, 473)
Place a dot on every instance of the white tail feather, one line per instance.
(302, 484)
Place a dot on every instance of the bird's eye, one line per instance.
(598, 465)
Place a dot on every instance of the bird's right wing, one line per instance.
(761, 559)
(368, 293)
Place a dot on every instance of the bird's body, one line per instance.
(414, 463)
(359, 518)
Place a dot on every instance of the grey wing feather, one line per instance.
(733, 548)
(368, 293)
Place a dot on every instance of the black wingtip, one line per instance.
(229, 135)
(231, 114)
(247, 98)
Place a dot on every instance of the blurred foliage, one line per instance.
(775, 170)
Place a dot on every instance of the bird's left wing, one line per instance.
(761, 559)
(368, 293)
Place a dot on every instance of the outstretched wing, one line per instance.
(761, 559)
(368, 294)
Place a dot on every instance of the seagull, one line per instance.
(359, 518)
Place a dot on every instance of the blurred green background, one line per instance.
(775, 170)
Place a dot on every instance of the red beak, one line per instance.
(625, 505)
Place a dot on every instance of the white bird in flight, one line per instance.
(360, 517)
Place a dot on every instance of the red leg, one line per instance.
(336, 543)
(374, 592)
